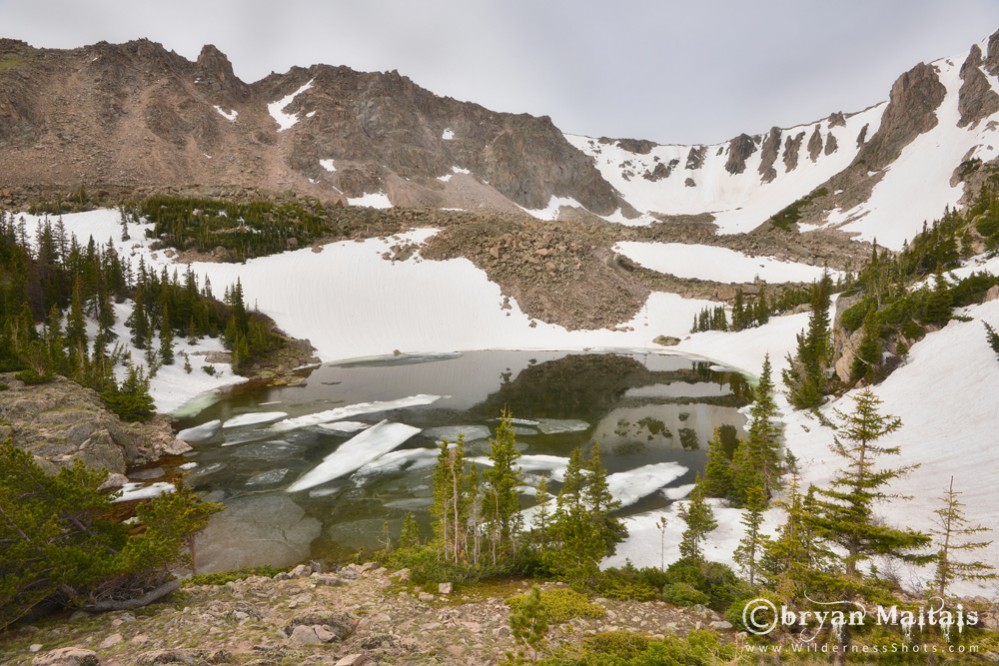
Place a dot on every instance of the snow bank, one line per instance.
(707, 262)
(377, 440)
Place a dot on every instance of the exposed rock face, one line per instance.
(911, 111)
(815, 144)
(831, 144)
(61, 422)
(135, 115)
(768, 155)
(976, 100)
(739, 150)
(837, 120)
(695, 157)
(992, 59)
(792, 146)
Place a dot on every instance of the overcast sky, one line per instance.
(698, 71)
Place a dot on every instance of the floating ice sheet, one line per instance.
(254, 418)
(344, 427)
(374, 442)
(450, 433)
(558, 426)
(200, 433)
(349, 411)
(136, 491)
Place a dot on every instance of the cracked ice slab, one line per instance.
(340, 413)
(356, 452)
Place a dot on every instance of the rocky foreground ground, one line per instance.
(360, 614)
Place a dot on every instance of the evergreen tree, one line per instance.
(541, 522)
(797, 556)
(867, 358)
(501, 502)
(805, 376)
(166, 337)
(952, 539)
(700, 520)
(992, 336)
(410, 536)
(450, 500)
(845, 511)
(747, 555)
(763, 440)
(139, 321)
(582, 531)
(717, 481)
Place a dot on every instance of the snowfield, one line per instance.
(707, 262)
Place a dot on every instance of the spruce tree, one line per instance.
(805, 376)
(867, 357)
(955, 536)
(763, 440)
(166, 337)
(450, 500)
(750, 550)
(992, 337)
(700, 520)
(845, 511)
(501, 502)
(717, 481)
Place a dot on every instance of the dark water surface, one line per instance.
(652, 415)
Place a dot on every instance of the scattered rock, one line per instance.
(67, 656)
(445, 588)
(111, 641)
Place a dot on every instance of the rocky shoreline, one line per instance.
(360, 614)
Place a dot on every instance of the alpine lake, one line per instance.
(651, 413)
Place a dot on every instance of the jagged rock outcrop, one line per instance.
(792, 146)
(739, 150)
(911, 111)
(815, 144)
(695, 157)
(768, 155)
(976, 99)
(61, 422)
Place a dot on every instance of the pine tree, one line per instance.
(449, 508)
(717, 481)
(762, 446)
(805, 376)
(501, 502)
(747, 555)
(541, 522)
(952, 528)
(410, 536)
(582, 530)
(796, 556)
(867, 357)
(166, 337)
(992, 336)
(845, 511)
(700, 520)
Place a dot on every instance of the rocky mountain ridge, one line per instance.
(135, 115)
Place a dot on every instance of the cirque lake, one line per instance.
(323, 469)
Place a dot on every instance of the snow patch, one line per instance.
(708, 262)
(447, 134)
(276, 109)
(328, 165)
(228, 115)
(372, 200)
(137, 491)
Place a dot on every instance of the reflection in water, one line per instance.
(652, 414)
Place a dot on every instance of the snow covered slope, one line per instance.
(780, 168)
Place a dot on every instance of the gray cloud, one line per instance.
(674, 71)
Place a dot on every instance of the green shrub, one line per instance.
(31, 376)
(560, 605)
(619, 644)
(59, 545)
(683, 594)
(714, 579)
